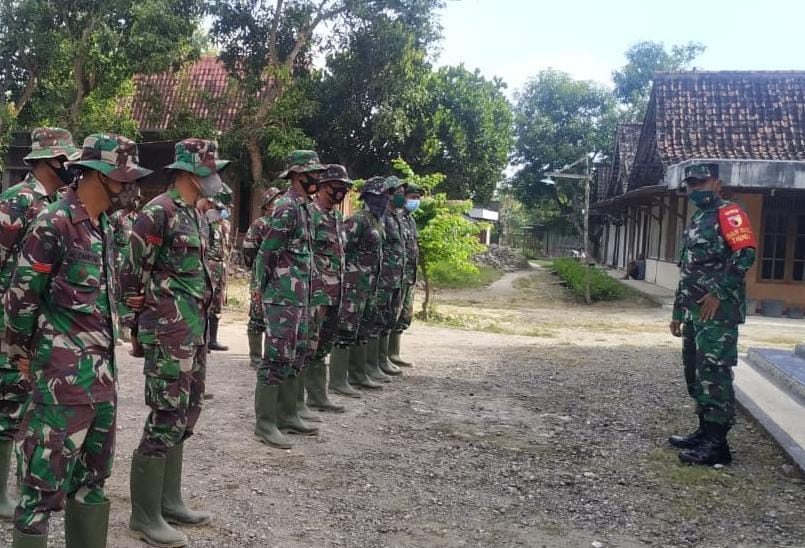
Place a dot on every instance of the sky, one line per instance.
(515, 39)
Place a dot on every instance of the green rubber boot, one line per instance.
(357, 368)
(255, 349)
(373, 362)
(174, 510)
(266, 405)
(339, 362)
(6, 503)
(383, 357)
(316, 386)
(304, 412)
(23, 540)
(288, 418)
(395, 342)
(86, 525)
(146, 522)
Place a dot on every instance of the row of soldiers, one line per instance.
(324, 285)
(320, 281)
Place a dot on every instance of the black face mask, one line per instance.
(376, 204)
(123, 199)
(310, 184)
(65, 175)
(337, 195)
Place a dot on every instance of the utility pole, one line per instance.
(587, 297)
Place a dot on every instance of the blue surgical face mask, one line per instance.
(225, 214)
(702, 198)
(412, 205)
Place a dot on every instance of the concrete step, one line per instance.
(780, 412)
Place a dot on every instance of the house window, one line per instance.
(775, 242)
(799, 250)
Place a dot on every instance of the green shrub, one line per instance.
(448, 275)
(602, 286)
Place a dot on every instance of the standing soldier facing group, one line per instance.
(413, 195)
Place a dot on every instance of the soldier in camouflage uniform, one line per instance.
(218, 258)
(62, 322)
(363, 252)
(251, 244)
(325, 300)
(121, 222)
(717, 251)
(19, 206)
(390, 285)
(283, 270)
(413, 194)
(167, 280)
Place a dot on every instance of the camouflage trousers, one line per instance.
(323, 330)
(67, 451)
(407, 309)
(286, 344)
(354, 302)
(174, 390)
(218, 275)
(389, 304)
(709, 352)
(14, 394)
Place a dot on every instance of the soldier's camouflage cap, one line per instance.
(375, 185)
(393, 183)
(52, 142)
(700, 172)
(113, 155)
(414, 189)
(270, 194)
(301, 161)
(197, 156)
(335, 172)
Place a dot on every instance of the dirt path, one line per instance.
(491, 440)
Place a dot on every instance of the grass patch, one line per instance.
(472, 322)
(446, 276)
(545, 263)
(575, 276)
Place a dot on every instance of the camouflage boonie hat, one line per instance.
(301, 161)
(375, 185)
(700, 172)
(393, 183)
(335, 172)
(414, 189)
(224, 196)
(197, 156)
(270, 195)
(113, 155)
(52, 142)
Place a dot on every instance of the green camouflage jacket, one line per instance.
(166, 262)
(363, 250)
(60, 314)
(393, 263)
(410, 237)
(285, 253)
(253, 238)
(717, 250)
(328, 256)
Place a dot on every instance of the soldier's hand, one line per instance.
(136, 303)
(710, 305)
(24, 367)
(676, 328)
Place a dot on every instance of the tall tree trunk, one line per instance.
(255, 161)
(83, 85)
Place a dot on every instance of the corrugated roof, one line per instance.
(200, 88)
(721, 115)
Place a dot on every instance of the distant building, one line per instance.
(752, 124)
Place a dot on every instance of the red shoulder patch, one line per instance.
(42, 268)
(735, 227)
(153, 239)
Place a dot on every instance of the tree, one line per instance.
(643, 59)
(268, 49)
(557, 121)
(466, 133)
(445, 234)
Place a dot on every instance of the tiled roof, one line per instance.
(626, 138)
(721, 115)
(157, 97)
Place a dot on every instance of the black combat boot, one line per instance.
(214, 345)
(691, 440)
(713, 448)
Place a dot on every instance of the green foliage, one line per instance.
(469, 276)
(633, 80)
(575, 275)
